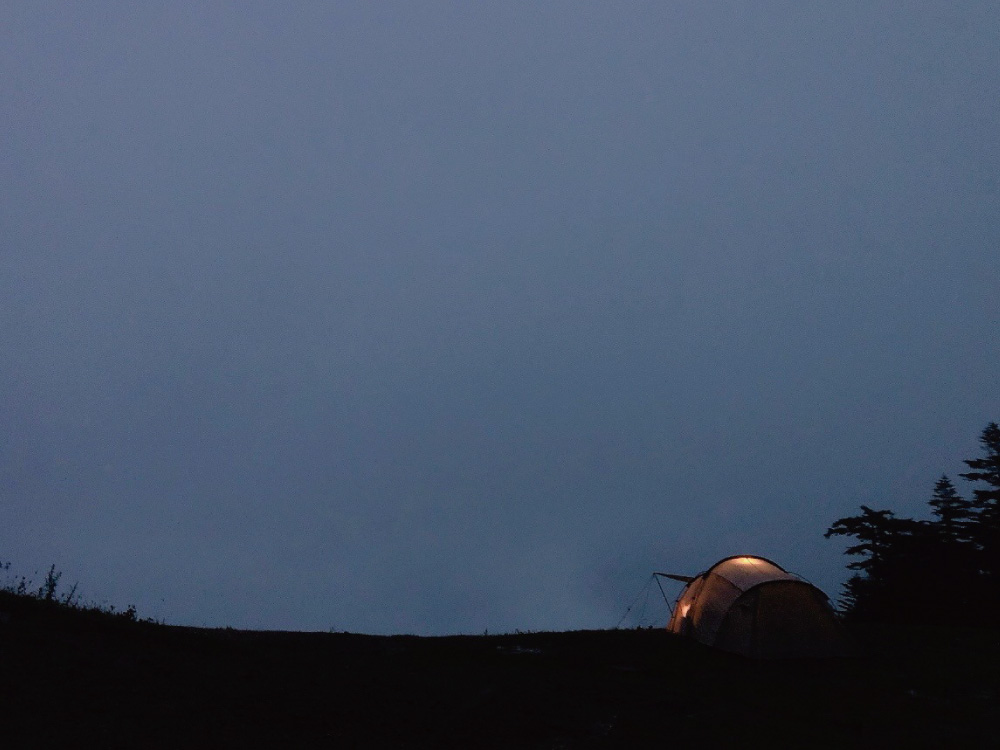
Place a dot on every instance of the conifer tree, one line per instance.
(874, 530)
(889, 550)
(986, 504)
(986, 469)
(954, 513)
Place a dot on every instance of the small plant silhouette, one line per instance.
(23, 587)
(47, 591)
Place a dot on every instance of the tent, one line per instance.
(751, 606)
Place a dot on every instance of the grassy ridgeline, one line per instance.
(83, 675)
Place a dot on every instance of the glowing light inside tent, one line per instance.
(684, 610)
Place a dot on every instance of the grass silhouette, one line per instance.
(20, 593)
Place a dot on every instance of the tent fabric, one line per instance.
(751, 606)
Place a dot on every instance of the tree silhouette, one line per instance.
(986, 505)
(987, 469)
(875, 531)
(955, 514)
(890, 549)
(946, 569)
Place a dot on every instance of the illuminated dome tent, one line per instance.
(750, 606)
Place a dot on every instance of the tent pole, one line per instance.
(663, 593)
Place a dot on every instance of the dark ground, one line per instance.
(71, 678)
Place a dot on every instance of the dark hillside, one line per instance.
(69, 678)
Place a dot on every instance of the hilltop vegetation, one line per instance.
(942, 570)
(77, 676)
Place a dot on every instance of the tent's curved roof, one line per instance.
(747, 571)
